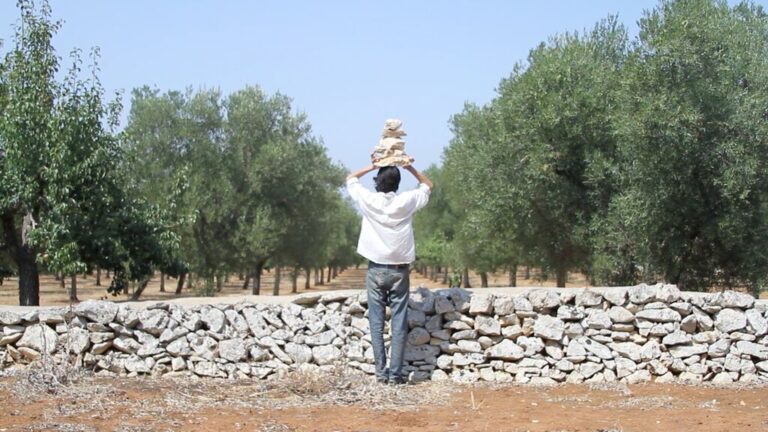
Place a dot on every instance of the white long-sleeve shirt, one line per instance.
(386, 236)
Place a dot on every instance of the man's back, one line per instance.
(386, 236)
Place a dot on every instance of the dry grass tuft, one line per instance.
(308, 383)
(47, 376)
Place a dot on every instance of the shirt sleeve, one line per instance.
(356, 190)
(420, 196)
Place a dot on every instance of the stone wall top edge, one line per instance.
(312, 297)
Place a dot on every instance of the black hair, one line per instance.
(388, 179)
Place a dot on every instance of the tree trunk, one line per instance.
(162, 282)
(294, 280)
(247, 280)
(109, 274)
(29, 279)
(180, 283)
(445, 277)
(465, 279)
(98, 276)
(306, 282)
(513, 275)
(527, 275)
(73, 289)
(220, 282)
(1, 281)
(62, 282)
(562, 277)
(140, 289)
(276, 286)
(189, 281)
(483, 280)
(322, 276)
(256, 290)
(328, 280)
(24, 256)
(335, 272)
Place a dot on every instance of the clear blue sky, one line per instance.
(348, 65)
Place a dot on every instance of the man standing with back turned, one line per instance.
(386, 240)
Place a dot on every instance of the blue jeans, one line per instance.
(388, 286)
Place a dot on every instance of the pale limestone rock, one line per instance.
(734, 299)
(503, 305)
(10, 318)
(755, 350)
(40, 338)
(588, 298)
(589, 369)
(512, 332)
(597, 348)
(676, 338)
(689, 324)
(598, 319)
(208, 369)
(549, 327)
(154, 321)
(179, 347)
(756, 322)
(570, 313)
(542, 300)
(629, 350)
(616, 296)
(506, 350)
(481, 304)
(324, 338)
(233, 350)
(659, 315)
(729, 320)
(486, 325)
(638, 377)
(103, 312)
(683, 351)
(621, 315)
(468, 346)
(51, 316)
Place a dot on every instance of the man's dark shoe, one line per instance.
(382, 380)
(398, 381)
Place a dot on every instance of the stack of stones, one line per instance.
(635, 334)
(391, 148)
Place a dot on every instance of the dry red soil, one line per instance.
(162, 405)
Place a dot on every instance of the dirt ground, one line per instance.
(351, 403)
(51, 292)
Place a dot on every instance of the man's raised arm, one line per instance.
(361, 172)
(420, 177)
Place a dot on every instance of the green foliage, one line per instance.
(257, 186)
(629, 162)
(61, 197)
(435, 225)
(693, 144)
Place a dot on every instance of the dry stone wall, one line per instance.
(635, 334)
